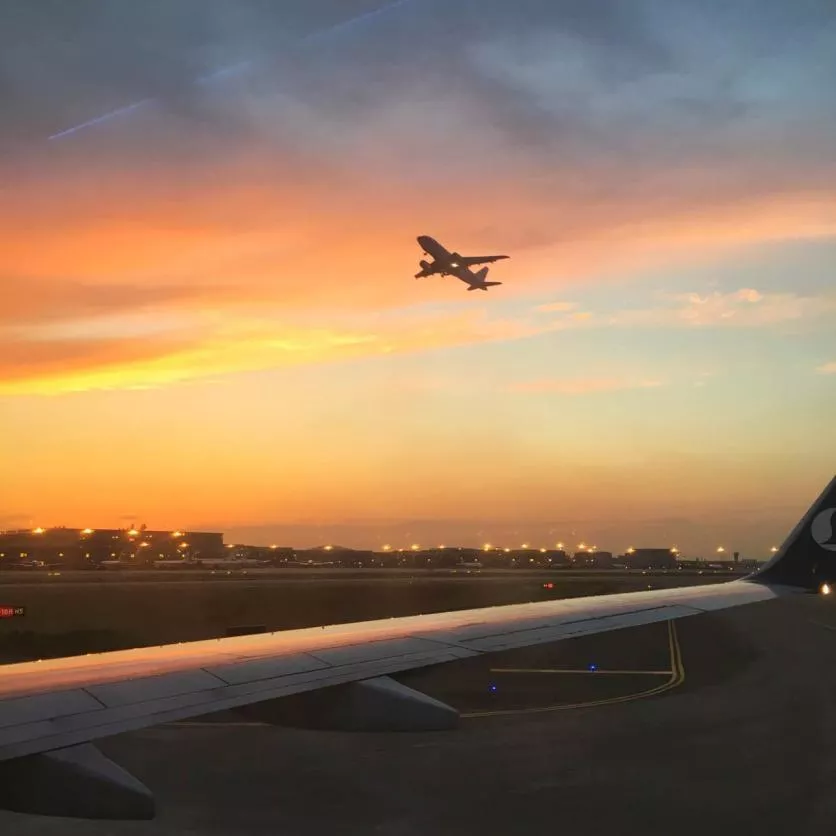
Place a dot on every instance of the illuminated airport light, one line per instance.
(581, 545)
(442, 547)
(176, 533)
(524, 546)
(38, 530)
(487, 547)
(825, 589)
(720, 549)
(328, 548)
(542, 551)
(387, 547)
(87, 531)
(273, 546)
(415, 547)
(631, 550)
(506, 550)
(774, 549)
(144, 545)
(184, 545)
(133, 532)
(558, 545)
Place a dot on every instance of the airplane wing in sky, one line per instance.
(469, 261)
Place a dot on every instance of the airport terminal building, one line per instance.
(89, 548)
(77, 548)
(651, 558)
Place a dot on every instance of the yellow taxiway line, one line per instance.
(580, 670)
(677, 677)
(822, 624)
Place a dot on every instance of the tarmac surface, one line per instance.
(719, 723)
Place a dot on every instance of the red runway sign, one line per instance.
(11, 612)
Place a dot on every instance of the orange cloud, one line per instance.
(23, 363)
(57, 366)
(827, 368)
(31, 301)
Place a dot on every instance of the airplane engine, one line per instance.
(426, 270)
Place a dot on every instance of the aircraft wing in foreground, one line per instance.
(51, 710)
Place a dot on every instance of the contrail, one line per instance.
(103, 118)
(233, 69)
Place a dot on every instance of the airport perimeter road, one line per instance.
(739, 737)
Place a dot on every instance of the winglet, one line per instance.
(807, 559)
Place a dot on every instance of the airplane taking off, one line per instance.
(53, 710)
(446, 263)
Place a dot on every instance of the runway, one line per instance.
(721, 723)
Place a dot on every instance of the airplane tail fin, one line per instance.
(480, 283)
(483, 285)
(807, 559)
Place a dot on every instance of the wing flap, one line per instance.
(372, 651)
(116, 694)
(24, 710)
(255, 670)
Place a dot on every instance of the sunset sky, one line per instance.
(207, 311)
